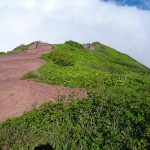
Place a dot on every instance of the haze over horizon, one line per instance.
(123, 25)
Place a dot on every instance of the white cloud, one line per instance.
(124, 28)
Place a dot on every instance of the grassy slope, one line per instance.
(115, 115)
(20, 48)
(2, 53)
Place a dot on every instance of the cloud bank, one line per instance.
(124, 28)
(141, 4)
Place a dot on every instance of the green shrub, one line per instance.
(74, 44)
(30, 75)
(62, 58)
(2, 53)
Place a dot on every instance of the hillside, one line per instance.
(18, 96)
(115, 115)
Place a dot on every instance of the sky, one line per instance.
(141, 4)
(121, 24)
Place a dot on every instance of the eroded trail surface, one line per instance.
(18, 96)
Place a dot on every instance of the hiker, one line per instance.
(37, 44)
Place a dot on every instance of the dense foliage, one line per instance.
(116, 114)
(62, 58)
(74, 44)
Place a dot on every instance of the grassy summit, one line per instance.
(116, 114)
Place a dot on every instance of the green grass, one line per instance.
(20, 48)
(116, 114)
(114, 61)
(2, 53)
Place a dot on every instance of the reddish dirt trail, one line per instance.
(18, 96)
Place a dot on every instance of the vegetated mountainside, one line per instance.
(116, 114)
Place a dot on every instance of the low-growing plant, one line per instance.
(30, 75)
(20, 48)
(74, 44)
(2, 53)
(115, 115)
(62, 58)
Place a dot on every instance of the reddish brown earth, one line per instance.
(18, 96)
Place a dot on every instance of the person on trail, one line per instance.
(37, 44)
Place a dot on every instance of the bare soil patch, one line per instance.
(18, 96)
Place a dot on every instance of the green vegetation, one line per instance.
(118, 62)
(62, 58)
(74, 44)
(2, 53)
(116, 114)
(20, 48)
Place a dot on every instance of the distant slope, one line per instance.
(114, 116)
(20, 48)
(2, 53)
(118, 62)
